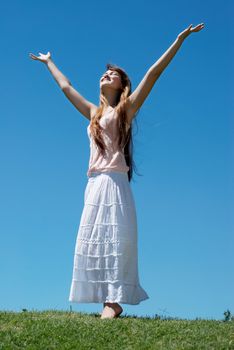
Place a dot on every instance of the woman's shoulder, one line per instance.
(93, 111)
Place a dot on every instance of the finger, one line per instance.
(33, 56)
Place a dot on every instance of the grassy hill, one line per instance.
(61, 330)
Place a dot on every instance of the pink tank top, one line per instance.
(114, 159)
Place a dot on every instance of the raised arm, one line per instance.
(136, 99)
(84, 106)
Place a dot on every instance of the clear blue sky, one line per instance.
(182, 148)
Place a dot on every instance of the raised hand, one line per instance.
(190, 30)
(43, 58)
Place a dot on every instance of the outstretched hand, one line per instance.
(43, 58)
(190, 30)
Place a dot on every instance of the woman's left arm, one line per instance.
(136, 99)
(165, 59)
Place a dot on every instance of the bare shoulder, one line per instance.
(93, 110)
(129, 111)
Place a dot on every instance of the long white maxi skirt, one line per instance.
(106, 252)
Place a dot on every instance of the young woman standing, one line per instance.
(105, 266)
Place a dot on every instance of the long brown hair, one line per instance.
(125, 140)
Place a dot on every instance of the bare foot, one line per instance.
(111, 310)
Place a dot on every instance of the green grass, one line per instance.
(63, 330)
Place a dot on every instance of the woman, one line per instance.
(105, 261)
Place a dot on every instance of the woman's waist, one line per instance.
(107, 172)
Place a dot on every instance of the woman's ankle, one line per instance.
(112, 305)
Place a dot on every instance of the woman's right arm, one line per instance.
(84, 106)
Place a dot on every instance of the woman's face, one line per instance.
(111, 79)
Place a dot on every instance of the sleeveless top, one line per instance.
(113, 159)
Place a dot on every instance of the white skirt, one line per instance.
(105, 265)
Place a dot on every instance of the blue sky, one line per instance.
(183, 149)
